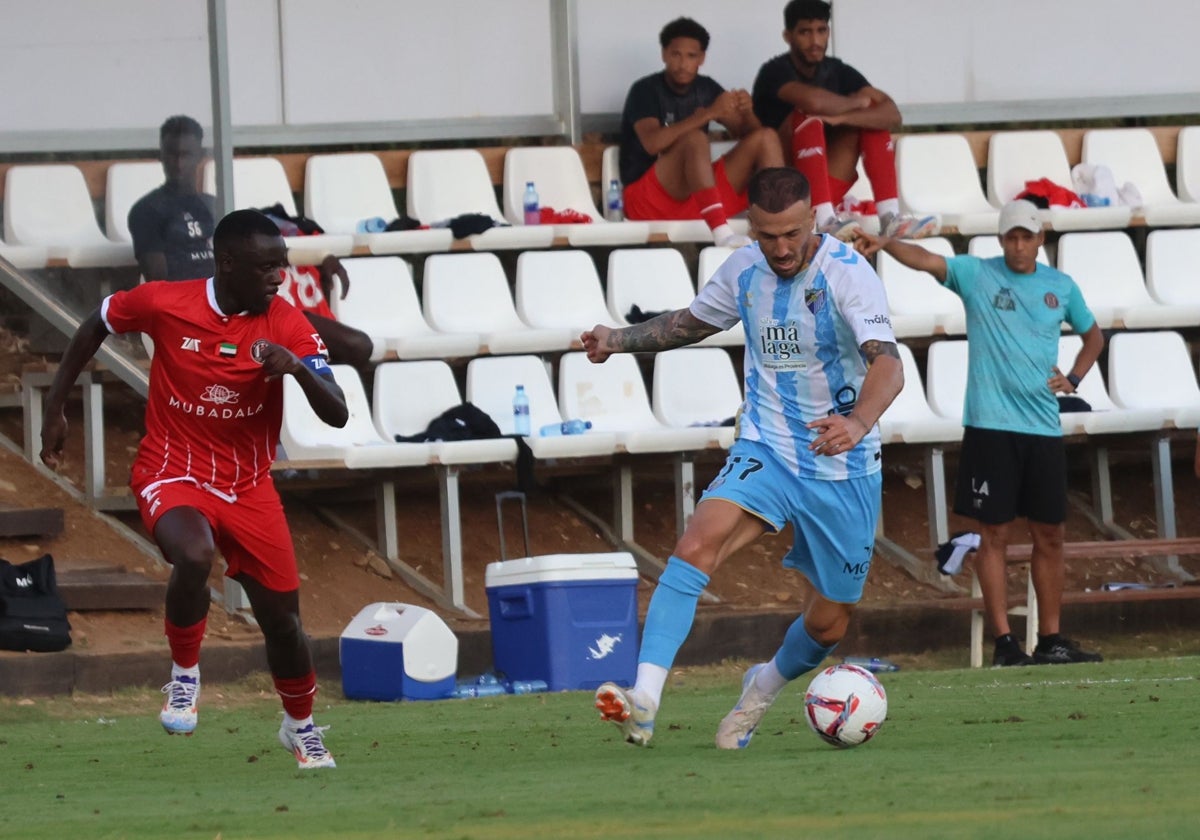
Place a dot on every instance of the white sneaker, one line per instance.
(841, 227)
(617, 705)
(737, 727)
(307, 744)
(178, 715)
(904, 226)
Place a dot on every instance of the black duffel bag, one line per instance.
(32, 613)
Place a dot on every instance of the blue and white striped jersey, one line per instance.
(803, 336)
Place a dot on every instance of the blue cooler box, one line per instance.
(393, 651)
(568, 619)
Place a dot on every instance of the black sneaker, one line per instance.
(1059, 650)
(1008, 653)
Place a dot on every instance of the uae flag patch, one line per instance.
(227, 349)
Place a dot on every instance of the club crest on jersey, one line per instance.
(814, 299)
(1051, 300)
(192, 344)
(258, 350)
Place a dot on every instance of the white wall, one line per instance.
(72, 70)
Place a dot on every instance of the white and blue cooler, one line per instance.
(568, 619)
(393, 651)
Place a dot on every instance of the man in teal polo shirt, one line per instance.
(1013, 460)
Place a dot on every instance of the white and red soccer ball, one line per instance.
(845, 705)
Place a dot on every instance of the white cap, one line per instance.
(1020, 214)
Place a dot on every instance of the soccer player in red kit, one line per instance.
(201, 473)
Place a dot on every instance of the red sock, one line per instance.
(838, 189)
(711, 208)
(297, 694)
(185, 642)
(879, 162)
(808, 156)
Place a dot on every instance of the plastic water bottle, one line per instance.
(614, 205)
(570, 427)
(521, 412)
(872, 663)
(533, 210)
(375, 224)
(528, 686)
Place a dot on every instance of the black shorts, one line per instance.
(1003, 475)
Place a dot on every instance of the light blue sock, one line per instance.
(672, 609)
(799, 652)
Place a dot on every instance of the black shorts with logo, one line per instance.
(1003, 475)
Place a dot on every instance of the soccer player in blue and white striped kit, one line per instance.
(821, 366)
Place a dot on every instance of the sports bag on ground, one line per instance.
(32, 614)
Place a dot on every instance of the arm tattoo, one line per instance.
(671, 329)
(873, 349)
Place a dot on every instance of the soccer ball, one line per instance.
(845, 705)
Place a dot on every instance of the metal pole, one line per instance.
(218, 69)
(565, 56)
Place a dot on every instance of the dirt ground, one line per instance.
(340, 574)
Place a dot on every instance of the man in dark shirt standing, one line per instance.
(172, 228)
(828, 115)
(666, 160)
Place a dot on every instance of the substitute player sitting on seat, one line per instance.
(202, 473)
(172, 229)
(666, 160)
(828, 115)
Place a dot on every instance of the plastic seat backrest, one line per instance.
(694, 385)
(559, 289)
(258, 182)
(655, 279)
(382, 299)
(49, 205)
(445, 183)
(407, 395)
(1187, 163)
(558, 176)
(125, 184)
(1171, 275)
(936, 172)
(1151, 370)
(492, 382)
(1015, 157)
(946, 383)
(1132, 154)
(468, 293)
(305, 427)
(612, 394)
(1105, 267)
(343, 189)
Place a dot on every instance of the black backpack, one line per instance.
(32, 614)
(461, 422)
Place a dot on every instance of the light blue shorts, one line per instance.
(834, 521)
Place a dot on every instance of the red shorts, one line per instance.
(252, 531)
(646, 199)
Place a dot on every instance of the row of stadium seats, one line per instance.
(48, 212)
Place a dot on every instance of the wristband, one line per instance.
(1074, 380)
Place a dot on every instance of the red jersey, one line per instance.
(211, 414)
(301, 288)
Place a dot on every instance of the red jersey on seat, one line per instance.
(211, 414)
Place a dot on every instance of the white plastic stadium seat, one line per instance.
(711, 258)
(1187, 163)
(260, 182)
(357, 445)
(342, 190)
(50, 206)
(1154, 370)
(612, 395)
(25, 256)
(937, 175)
(469, 293)
(1171, 266)
(408, 395)
(1106, 417)
(909, 419)
(946, 378)
(919, 305)
(491, 383)
(382, 302)
(125, 183)
(1105, 267)
(445, 183)
(697, 386)
(656, 280)
(1015, 157)
(1132, 154)
(560, 290)
(985, 247)
(561, 182)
